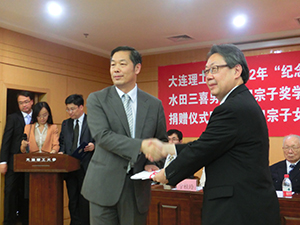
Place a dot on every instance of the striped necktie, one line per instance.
(292, 166)
(128, 110)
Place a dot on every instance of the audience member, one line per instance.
(234, 149)
(175, 137)
(14, 182)
(71, 137)
(291, 152)
(42, 134)
(119, 129)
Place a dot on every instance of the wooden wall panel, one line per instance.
(28, 63)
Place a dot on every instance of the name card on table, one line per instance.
(187, 185)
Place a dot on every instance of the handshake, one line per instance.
(155, 150)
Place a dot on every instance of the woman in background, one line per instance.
(42, 134)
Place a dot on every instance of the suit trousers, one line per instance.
(14, 198)
(78, 205)
(125, 212)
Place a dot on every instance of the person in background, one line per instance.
(175, 137)
(291, 165)
(42, 134)
(120, 117)
(234, 148)
(70, 138)
(14, 182)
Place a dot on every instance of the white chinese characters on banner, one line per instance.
(274, 81)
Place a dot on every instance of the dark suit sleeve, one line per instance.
(7, 138)
(62, 138)
(213, 143)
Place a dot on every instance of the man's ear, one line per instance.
(238, 70)
(138, 68)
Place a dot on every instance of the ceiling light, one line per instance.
(54, 8)
(239, 21)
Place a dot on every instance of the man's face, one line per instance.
(173, 139)
(123, 73)
(25, 104)
(224, 80)
(74, 111)
(291, 149)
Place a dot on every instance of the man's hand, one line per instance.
(153, 149)
(160, 177)
(3, 168)
(151, 168)
(90, 147)
(24, 144)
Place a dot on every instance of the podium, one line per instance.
(45, 184)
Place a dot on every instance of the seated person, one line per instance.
(175, 137)
(291, 151)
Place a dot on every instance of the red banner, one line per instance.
(274, 82)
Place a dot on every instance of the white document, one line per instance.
(144, 175)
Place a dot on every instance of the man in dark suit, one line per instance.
(69, 140)
(291, 151)
(119, 131)
(11, 142)
(234, 149)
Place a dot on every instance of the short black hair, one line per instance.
(174, 131)
(36, 110)
(75, 99)
(26, 94)
(233, 56)
(135, 56)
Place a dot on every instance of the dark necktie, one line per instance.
(75, 136)
(292, 166)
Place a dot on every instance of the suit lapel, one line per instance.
(282, 169)
(141, 114)
(70, 128)
(116, 103)
(295, 171)
(21, 118)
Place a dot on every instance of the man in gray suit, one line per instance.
(119, 131)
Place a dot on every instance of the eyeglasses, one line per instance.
(71, 110)
(294, 148)
(25, 102)
(43, 116)
(173, 139)
(214, 69)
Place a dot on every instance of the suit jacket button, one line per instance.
(125, 167)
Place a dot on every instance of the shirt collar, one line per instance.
(37, 125)
(224, 99)
(132, 93)
(289, 163)
(80, 119)
(25, 114)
